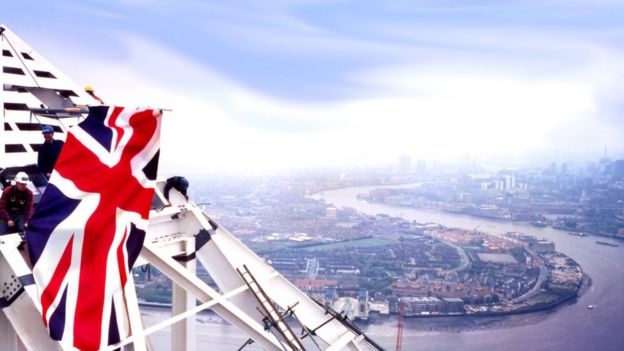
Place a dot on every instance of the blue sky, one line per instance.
(279, 84)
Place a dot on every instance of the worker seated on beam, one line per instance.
(16, 206)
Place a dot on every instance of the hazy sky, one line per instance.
(277, 84)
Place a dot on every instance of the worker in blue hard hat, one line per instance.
(181, 184)
(49, 151)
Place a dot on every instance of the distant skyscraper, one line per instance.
(500, 185)
(510, 182)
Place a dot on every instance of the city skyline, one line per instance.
(307, 84)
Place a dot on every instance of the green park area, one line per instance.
(355, 243)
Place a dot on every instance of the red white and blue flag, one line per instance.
(89, 226)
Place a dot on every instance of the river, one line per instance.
(568, 327)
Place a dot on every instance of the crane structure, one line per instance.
(399, 336)
(249, 293)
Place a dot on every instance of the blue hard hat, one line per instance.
(47, 129)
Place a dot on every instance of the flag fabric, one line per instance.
(89, 226)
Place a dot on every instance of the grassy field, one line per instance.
(369, 242)
(265, 247)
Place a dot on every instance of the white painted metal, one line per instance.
(183, 332)
(203, 292)
(26, 320)
(224, 253)
(7, 333)
(136, 323)
(22, 314)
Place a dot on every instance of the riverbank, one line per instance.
(541, 308)
(545, 331)
(420, 199)
(507, 220)
(521, 291)
(531, 309)
(559, 280)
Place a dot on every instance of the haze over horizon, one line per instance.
(307, 84)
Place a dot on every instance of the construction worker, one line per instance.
(49, 151)
(178, 183)
(91, 92)
(16, 206)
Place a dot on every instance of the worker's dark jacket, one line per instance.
(48, 154)
(176, 183)
(15, 202)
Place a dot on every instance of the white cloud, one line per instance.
(217, 123)
(438, 92)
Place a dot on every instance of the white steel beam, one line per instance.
(224, 253)
(205, 293)
(22, 313)
(7, 334)
(183, 332)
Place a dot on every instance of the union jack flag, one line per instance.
(89, 226)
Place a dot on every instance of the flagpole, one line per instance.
(51, 111)
(77, 109)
